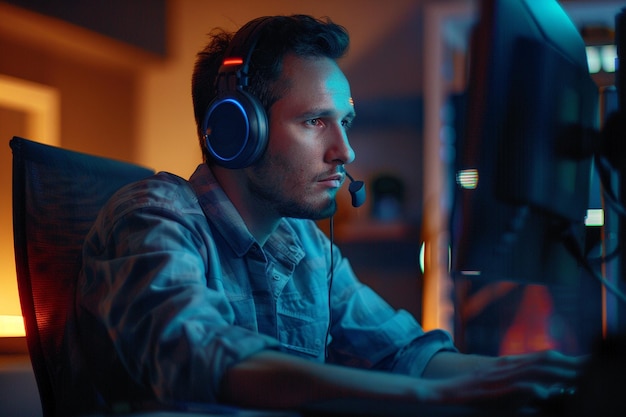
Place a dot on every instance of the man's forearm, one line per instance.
(276, 380)
(453, 364)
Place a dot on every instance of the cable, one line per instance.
(603, 168)
(331, 275)
(571, 244)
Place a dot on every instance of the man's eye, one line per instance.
(313, 122)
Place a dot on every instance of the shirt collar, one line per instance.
(220, 212)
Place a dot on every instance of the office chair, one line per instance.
(57, 194)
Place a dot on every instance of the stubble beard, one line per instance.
(266, 187)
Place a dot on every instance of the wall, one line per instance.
(95, 91)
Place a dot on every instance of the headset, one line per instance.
(235, 125)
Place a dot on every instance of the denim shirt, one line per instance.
(174, 290)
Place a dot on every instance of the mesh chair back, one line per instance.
(57, 194)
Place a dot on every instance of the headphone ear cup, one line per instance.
(235, 129)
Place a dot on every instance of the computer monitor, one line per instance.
(523, 162)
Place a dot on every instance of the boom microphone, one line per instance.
(357, 191)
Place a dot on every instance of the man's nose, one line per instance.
(341, 149)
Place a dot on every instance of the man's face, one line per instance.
(300, 172)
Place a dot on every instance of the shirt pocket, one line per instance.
(244, 311)
(303, 324)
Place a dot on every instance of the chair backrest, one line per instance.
(57, 194)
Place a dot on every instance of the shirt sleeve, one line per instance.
(368, 333)
(144, 283)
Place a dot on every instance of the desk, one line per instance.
(348, 408)
(378, 408)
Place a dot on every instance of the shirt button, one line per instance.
(276, 277)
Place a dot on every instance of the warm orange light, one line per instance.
(531, 330)
(12, 326)
(40, 106)
(233, 61)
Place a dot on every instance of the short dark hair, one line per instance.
(300, 35)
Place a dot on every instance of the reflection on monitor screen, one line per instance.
(524, 161)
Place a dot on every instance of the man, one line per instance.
(221, 289)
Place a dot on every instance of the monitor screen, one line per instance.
(523, 162)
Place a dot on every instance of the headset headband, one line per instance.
(239, 53)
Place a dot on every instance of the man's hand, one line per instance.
(508, 380)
